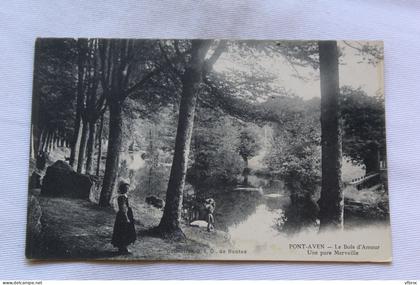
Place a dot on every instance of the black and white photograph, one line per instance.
(208, 149)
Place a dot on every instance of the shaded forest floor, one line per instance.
(79, 229)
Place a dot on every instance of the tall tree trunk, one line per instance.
(113, 153)
(55, 140)
(90, 146)
(80, 100)
(98, 161)
(44, 141)
(191, 80)
(32, 143)
(82, 147)
(39, 135)
(40, 141)
(48, 143)
(331, 202)
(75, 138)
(171, 215)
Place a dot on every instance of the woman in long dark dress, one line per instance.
(124, 231)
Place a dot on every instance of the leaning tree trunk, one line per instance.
(82, 147)
(171, 214)
(90, 146)
(169, 225)
(331, 201)
(113, 152)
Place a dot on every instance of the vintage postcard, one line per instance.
(205, 149)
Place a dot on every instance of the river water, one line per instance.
(256, 215)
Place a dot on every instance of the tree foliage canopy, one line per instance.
(363, 123)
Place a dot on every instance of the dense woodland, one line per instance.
(104, 100)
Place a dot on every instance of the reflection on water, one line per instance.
(258, 216)
(300, 214)
(234, 207)
(258, 227)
